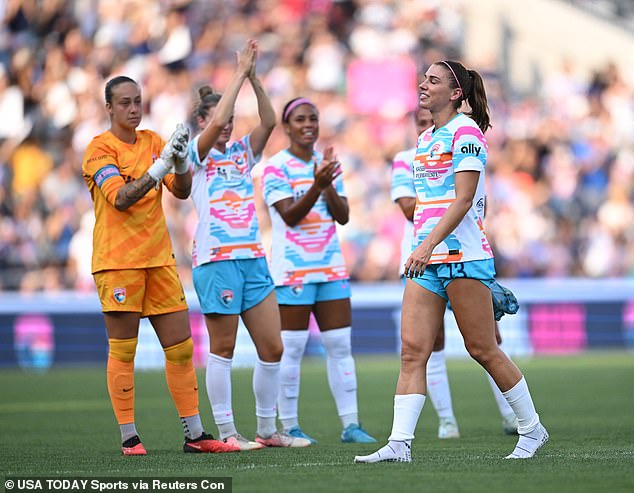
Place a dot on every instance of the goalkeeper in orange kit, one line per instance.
(133, 263)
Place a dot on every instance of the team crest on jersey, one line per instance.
(297, 289)
(435, 149)
(226, 296)
(238, 159)
(119, 294)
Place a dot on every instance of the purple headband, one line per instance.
(295, 104)
(454, 76)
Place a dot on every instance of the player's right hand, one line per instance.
(418, 260)
(246, 58)
(159, 169)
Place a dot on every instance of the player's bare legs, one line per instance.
(420, 318)
(477, 325)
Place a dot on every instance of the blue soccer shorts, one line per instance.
(437, 277)
(311, 293)
(231, 287)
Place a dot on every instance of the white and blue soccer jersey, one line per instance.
(458, 146)
(403, 186)
(222, 191)
(308, 252)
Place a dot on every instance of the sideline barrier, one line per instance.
(559, 316)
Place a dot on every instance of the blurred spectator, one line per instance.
(561, 168)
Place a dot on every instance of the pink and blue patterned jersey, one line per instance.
(403, 186)
(458, 146)
(309, 251)
(222, 191)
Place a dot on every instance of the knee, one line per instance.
(224, 353)
(338, 343)
(180, 353)
(222, 346)
(272, 352)
(412, 354)
(294, 344)
(482, 353)
(123, 349)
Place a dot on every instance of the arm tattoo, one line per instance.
(130, 193)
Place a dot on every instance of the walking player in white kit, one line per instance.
(452, 261)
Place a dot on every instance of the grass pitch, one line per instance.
(61, 424)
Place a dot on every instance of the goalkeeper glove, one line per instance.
(159, 169)
(177, 148)
(504, 301)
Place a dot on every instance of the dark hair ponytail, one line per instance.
(115, 81)
(472, 86)
(477, 99)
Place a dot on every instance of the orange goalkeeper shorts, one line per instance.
(151, 291)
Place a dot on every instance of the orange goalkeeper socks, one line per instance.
(181, 377)
(120, 378)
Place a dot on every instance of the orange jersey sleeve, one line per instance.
(137, 237)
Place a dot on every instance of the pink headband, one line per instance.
(295, 104)
(454, 76)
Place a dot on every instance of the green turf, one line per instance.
(61, 424)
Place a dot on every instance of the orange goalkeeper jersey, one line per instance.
(137, 237)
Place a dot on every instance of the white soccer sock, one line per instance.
(289, 423)
(349, 419)
(218, 382)
(342, 375)
(529, 443)
(294, 345)
(407, 409)
(128, 431)
(519, 398)
(438, 385)
(503, 406)
(266, 384)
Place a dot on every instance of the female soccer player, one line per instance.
(453, 260)
(404, 194)
(133, 261)
(230, 273)
(304, 192)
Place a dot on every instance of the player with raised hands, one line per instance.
(230, 272)
(304, 191)
(133, 262)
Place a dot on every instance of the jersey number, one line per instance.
(457, 270)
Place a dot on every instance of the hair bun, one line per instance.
(205, 91)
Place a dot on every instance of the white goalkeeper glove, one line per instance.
(159, 169)
(176, 148)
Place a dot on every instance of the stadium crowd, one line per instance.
(561, 161)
